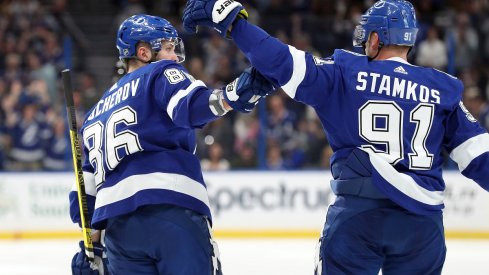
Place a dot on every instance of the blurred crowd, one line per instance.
(32, 129)
(279, 134)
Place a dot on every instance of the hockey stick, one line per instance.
(76, 154)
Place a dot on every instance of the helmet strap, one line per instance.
(378, 52)
(153, 56)
(409, 51)
(127, 60)
(145, 62)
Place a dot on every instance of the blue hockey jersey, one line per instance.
(402, 115)
(139, 144)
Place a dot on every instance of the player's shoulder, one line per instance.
(449, 87)
(340, 57)
(446, 76)
(172, 72)
(347, 54)
(158, 66)
(446, 80)
(344, 57)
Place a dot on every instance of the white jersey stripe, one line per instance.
(299, 60)
(469, 150)
(89, 180)
(162, 181)
(181, 94)
(403, 182)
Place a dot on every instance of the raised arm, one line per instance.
(190, 104)
(285, 66)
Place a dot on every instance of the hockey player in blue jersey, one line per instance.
(143, 181)
(387, 121)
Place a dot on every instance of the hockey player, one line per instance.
(143, 180)
(387, 121)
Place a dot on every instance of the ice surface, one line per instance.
(239, 257)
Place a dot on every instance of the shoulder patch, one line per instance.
(174, 76)
(469, 116)
(323, 61)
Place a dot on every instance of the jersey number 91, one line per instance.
(381, 122)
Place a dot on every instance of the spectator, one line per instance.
(57, 145)
(3, 96)
(30, 50)
(316, 143)
(275, 160)
(43, 71)
(326, 153)
(13, 70)
(466, 42)
(60, 19)
(225, 73)
(88, 91)
(432, 52)
(3, 122)
(246, 129)
(28, 135)
(196, 69)
(213, 49)
(215, 161)
(220, 131)
(280, 124)
(476, 105)
(246, 158)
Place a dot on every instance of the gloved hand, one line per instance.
(245, 91)
(217, 14)
(80, 265)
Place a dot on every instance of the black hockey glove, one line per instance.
(80, 265)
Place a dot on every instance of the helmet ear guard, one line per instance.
(393, 20)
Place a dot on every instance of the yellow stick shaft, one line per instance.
(77, 156)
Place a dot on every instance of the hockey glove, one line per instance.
(80, 265)
(245, 91)
(217, 14)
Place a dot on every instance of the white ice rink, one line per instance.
(240, 257)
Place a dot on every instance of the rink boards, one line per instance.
(244, 204)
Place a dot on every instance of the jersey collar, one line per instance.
(398, 59)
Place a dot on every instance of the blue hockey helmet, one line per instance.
(393, 20)
(153, 30)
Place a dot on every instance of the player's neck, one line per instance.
(386, 53)
(134, 64)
